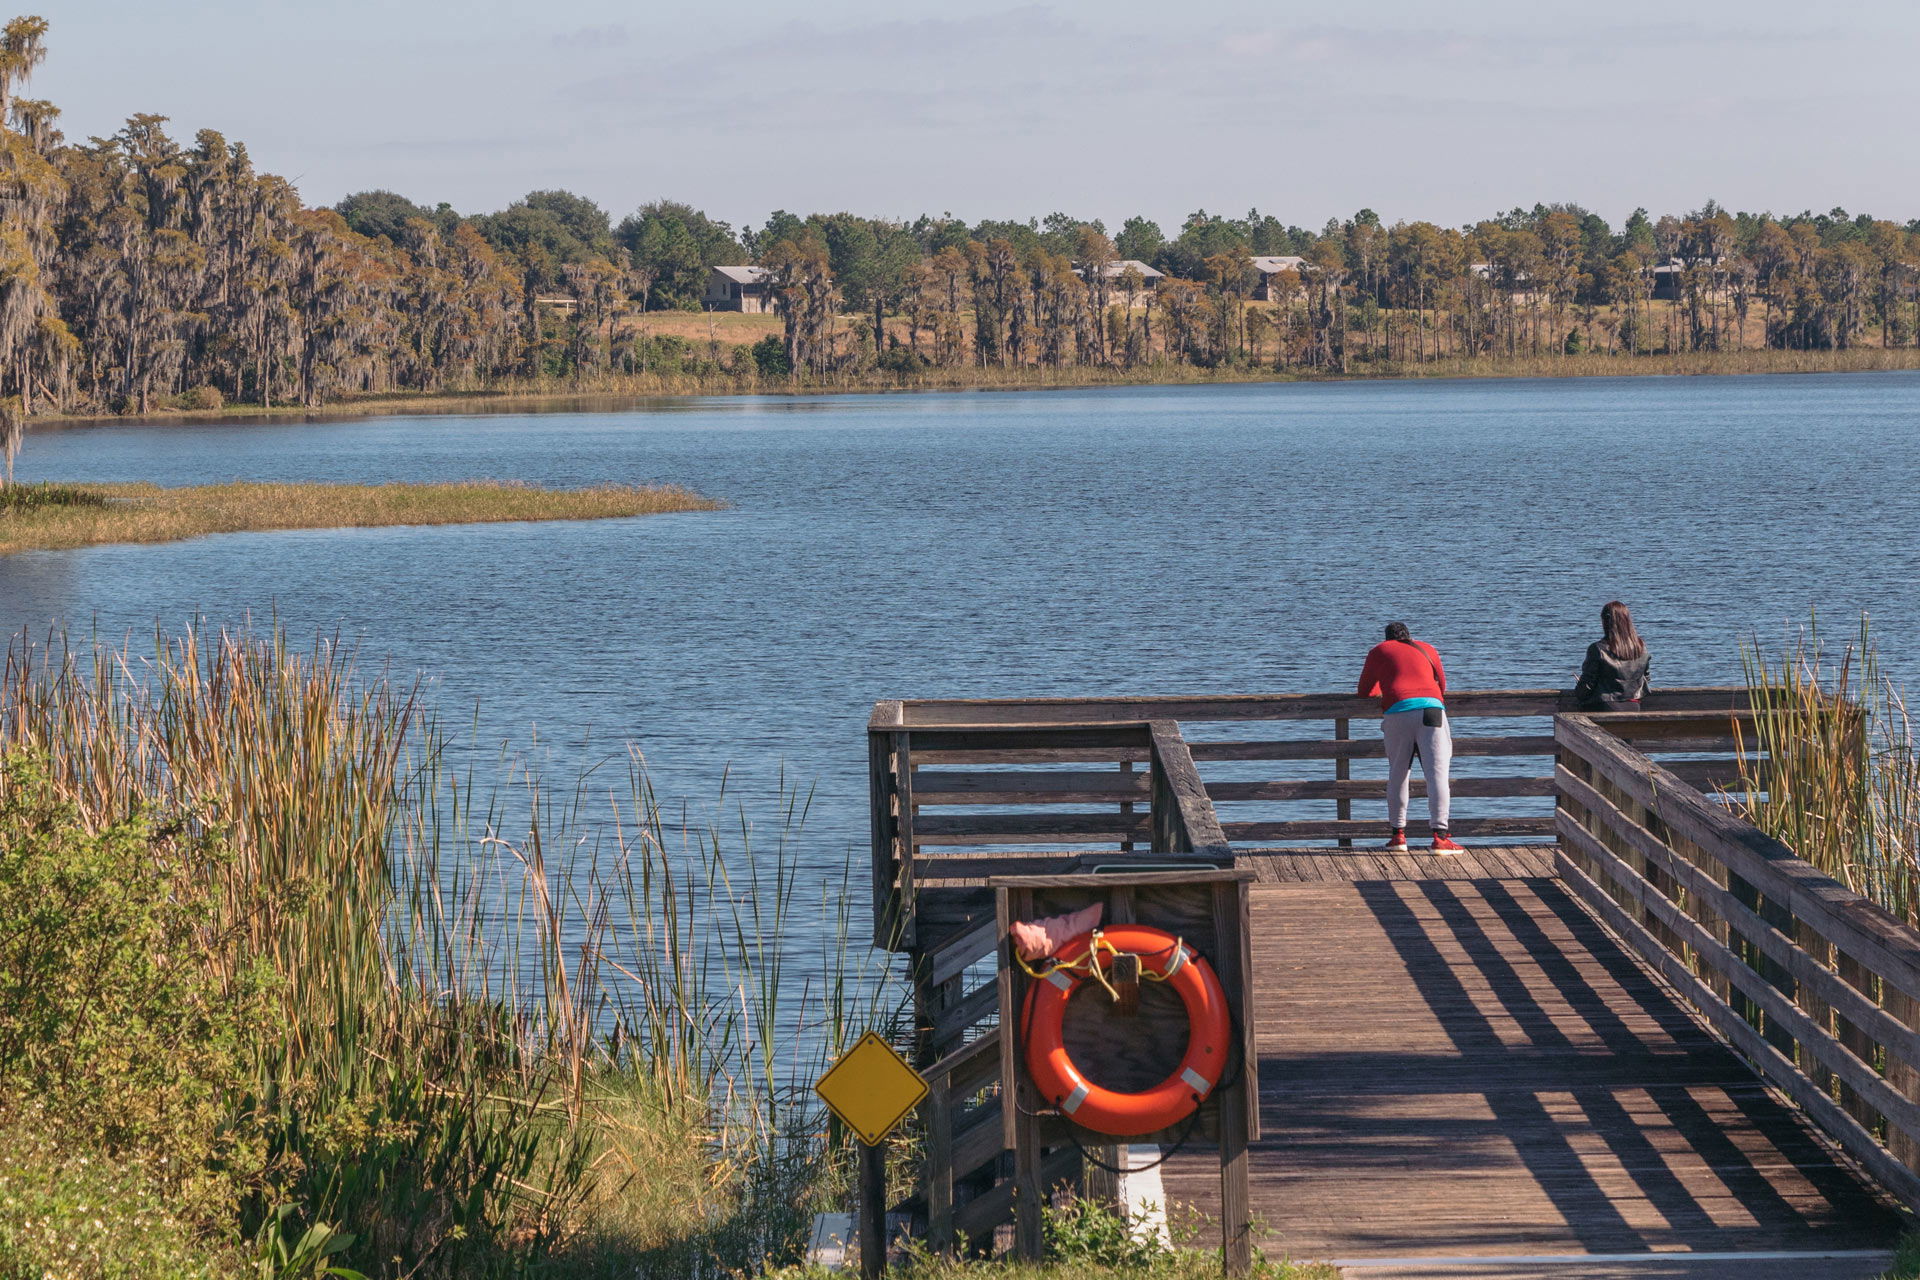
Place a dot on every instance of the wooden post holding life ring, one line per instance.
(1164, 958)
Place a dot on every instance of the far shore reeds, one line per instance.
(615, 390)
(53, 517)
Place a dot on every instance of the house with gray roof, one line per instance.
(1115, 271)
(738, 289)
(1267, 266)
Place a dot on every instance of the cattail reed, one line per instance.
(560, 1028)
(1840, 782)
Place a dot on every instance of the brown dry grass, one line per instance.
(699, 326)
(149, 513)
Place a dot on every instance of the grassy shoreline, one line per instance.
(64, 517)
(621, 391)
(279, 992)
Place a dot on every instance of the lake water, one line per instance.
(1143, 540)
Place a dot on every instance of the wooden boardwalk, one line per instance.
(1662, 1046)
(1457, 1061)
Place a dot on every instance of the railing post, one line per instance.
(938, 1159)
(1342, 772)
(1183, 819)
(1902, 1073)
(890, 808)
(880, 798)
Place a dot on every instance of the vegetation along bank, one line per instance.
(50, 517)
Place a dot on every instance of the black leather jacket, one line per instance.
(1605, 679)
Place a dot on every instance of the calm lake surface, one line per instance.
(1140, 540)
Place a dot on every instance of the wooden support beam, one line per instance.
(1333, 828)
(1028, 828)
(1000, 712)
(961, 953)
(1367, 748)
(1373, 789)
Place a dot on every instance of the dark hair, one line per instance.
(1620, 639)
(1398, 631)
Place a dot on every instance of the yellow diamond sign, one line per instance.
(871, 1088)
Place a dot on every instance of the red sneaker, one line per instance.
(1443, 843)
(1397, 843)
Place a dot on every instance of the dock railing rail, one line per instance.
(977, 787)
(1818, 987)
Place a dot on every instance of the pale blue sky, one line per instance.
(1448, 112)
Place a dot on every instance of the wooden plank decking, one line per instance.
(1456, 1060)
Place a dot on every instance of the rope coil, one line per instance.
(1092, 966)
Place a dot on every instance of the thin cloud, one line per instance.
(610, 35)
(798, 60)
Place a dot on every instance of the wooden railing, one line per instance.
(1815, 985)
(964, 782)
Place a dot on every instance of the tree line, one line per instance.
(141, 270)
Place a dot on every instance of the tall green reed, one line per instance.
(495, 1005)
(1833, 768)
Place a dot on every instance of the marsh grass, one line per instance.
(1840, 783)
(491, 1030)
(55, 517)
(614, 391)
(1676, 364)
(21, 498)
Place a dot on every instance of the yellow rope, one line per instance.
(1091, 966)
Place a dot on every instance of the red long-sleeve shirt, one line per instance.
(1399, 669)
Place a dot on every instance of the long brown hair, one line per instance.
(1621, 640)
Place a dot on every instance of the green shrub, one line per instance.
(770, 357)
(899, 359)
(69, 1212)
(107, 1019)
(30, 497)
(200, 397)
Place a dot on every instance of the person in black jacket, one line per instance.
(1614, 676)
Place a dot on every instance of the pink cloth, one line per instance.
(1038, 939)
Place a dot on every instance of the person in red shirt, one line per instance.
(1408, 678)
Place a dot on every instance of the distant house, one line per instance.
(739, 289)
(1115, 271)
(1520, 288)
(1669, 276)
(1268, 266)
(1666, 279)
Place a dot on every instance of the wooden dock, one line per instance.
(1469, 1066)
(1651, 1044)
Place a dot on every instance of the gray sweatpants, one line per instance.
(1406, 732)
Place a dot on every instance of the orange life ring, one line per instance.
(1125, 1115)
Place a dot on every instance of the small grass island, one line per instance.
(57, 517)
